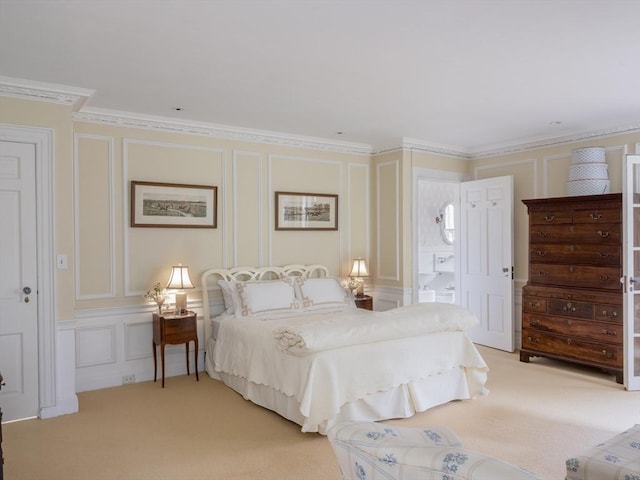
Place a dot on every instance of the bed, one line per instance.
(290, 339)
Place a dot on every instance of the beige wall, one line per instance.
(112, 264)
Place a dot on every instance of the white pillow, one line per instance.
(267, 298)
(229, 295)
(318, 293)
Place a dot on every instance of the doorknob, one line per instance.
(26, 290)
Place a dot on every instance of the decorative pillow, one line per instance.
(271, 297)
(318, 293)
(229, 295)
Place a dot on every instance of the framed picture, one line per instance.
(173, 205)
(306, 211)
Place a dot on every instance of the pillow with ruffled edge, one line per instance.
(267, 298)
(321, 293)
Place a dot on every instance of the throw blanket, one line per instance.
(350, 329)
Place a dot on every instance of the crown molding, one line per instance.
(157, 123)
(549, 142)
(77, 97)
(45, 92)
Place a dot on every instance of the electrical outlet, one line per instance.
(127, 379)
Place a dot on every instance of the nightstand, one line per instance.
(365, 302)
(174, 329)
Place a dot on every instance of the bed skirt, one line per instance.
(399, 402)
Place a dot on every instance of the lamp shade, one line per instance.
(179, 278)
(359, 268)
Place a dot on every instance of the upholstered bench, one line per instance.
(616, 459)
(376, 451)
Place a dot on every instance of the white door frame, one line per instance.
(42, 138)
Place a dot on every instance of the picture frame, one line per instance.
(306, 211)
(173, 205)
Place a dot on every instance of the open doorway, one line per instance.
(436, 202)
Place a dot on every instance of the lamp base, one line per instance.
(181, 302)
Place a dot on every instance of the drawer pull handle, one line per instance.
(569, 322)
(603, 234)
(604, 277)
(537, 304)
(569, 308)
(534, 323)
(543, 234)
(608, 354)
(611, 333)
(569, 341)
(609, 314)
(542, 253)
(595, 216)
(542, 273)
(603, 255)
(550, 218)
(534, 340)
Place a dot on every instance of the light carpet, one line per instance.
(536, 415)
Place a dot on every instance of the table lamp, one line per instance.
(358, 271)
(179, 280)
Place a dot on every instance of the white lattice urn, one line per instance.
(588, 155)
(587, 187)
(589, 171)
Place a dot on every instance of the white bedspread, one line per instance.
(349, 328)
(325, 380)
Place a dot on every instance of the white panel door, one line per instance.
(486, 259)
(18, 282)
(631, 272)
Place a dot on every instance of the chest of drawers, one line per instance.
(572, 303)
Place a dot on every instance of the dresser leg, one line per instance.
(524, 357)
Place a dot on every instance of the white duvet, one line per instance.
(349, 328)
(322, 380)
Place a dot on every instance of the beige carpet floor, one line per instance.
(536, 416)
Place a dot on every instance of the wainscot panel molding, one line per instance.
(222, 187)
(110, 347)
(394, 167)
(243, 223)
(95, 345)
(386, 298)
(109, 256)
(352, 171)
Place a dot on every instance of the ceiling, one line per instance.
(470, 76)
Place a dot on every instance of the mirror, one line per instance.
(447, 223)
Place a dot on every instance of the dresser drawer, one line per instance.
(573, 348)
(549, 215)
(606, 233)
(595, 215)
(585, 329)
(571, 309)
(611, 313)
(590, 254)
(534, 304)
(580, 276)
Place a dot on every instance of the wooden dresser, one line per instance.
(572, 304)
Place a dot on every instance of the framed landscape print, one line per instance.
(173, 205)
(306, 211)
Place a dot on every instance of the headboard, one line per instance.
(211, 290)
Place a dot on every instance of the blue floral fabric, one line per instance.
(375, 451)
(617, 459)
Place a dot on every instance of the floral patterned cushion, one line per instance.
(617, 458)
(373, 451)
